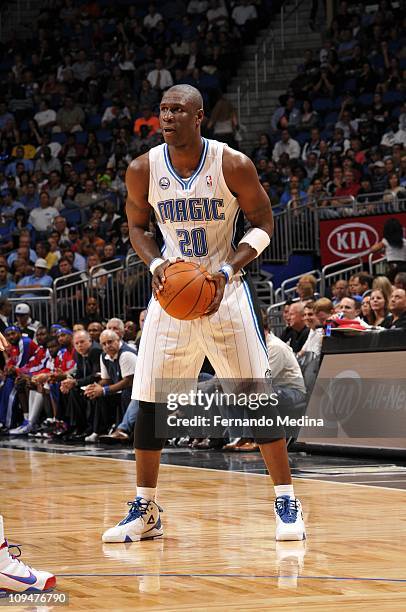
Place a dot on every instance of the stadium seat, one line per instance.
(59, 137)
(104, 135)
(81, 137)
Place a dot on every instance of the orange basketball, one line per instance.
(187, 292)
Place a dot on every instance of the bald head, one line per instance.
(296, 316)
(188, 93)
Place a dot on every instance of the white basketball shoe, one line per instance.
(143, 522)
(289, 519)
(16, 576)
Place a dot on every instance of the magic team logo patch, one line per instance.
(209, 181)
(164, 182)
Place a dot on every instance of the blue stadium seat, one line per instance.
(59, 137)
(94, 121)
(81, 137)
(366, 99)
(104, 136)
(302, 137)
(350, 85)
(393, 97)
(322, 104)
(331, 118)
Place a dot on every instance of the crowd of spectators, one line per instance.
(79, 99)
(340, 129)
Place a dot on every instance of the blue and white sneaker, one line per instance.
(289, 519)
(143, 522)
(22, 430)
(17, 577)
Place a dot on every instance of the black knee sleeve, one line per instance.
(145, 428)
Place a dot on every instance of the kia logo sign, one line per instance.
(352, 239)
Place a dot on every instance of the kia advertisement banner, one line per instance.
(348, 237)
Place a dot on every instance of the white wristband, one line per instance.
(257, 238)
(228, 272)
(155, 263)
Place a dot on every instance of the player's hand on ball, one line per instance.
(220, 281)
(158, 277)
(3, 343)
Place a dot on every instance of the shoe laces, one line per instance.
(287, 508)
(138, 508)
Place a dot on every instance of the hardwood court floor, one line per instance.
(219, 551)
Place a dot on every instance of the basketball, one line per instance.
(187, 292)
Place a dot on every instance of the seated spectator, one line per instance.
(360, 284)
(5, 313)
(130, 333)
(152, 18)
(315, 337)
(312, 145)
(92, 311)
(379, 307)
(43, 251)
(20, 227)
(396, 318)
(349, 308)
(379, 178)
(40, 278)
(19, 159)
(10, 205)
(323, 310)
(223, 121)
(287, 116)
(113, 392)
(95, 329)
(30, 199)
(160, 78)
(46, 116)
(87, 358)
(286, 145)
(46, 162)
(306, 288)
(24, 378)
(217, 14)
(287, 378)
(400, 280)
(20, 350)
(42, 218)
(23, 243)
(366, 312)
(70, 117)
(149, 120)
(24, 322)
(6, 282)
(339, 290)
(309, 118)
(295, 335)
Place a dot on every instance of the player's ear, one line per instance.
(199, 116)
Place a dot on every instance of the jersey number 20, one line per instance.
(192, 243)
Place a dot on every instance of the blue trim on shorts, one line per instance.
(247, 291)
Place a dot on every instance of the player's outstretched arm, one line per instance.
(138, 211)
(242, 180)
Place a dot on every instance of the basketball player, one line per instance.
(15, 576)
(196, 188)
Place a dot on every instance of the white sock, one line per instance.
(2, 538)
(284, 490)
(148, 493)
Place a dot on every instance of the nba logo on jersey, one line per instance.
(164, 182)
(209, 181)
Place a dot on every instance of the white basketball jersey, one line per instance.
(197, 215)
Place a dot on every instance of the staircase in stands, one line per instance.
(298, 37)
